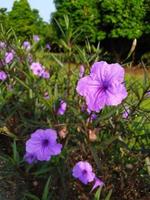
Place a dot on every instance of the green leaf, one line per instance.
(108, 195)
(97, 194)
(22, 83)
(147, 161)
(15, 153)
(57, 60)
(31, 196)
(46, 190)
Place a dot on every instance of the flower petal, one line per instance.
(97, 183)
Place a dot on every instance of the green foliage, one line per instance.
(24, 108)
(122, 18)
(24, 20)
(100, 19)
(4, 17)
(84, 17)
(147, 16)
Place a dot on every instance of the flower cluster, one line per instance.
(39, 70)
(42, 145)
(103, 87)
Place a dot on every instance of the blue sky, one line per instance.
(45, 7)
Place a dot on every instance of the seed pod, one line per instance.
(63, 132)
(92, 135)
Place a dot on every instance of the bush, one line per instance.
(97, 142)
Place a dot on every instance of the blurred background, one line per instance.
(115, 24)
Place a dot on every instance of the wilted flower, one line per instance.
(26, 45)
(30, 158)
(3, 75)
(98, 183)
(83, 171)
(43, 144)
(2, 45)
(82, 70)
(126, 113)
(62, 108)
(103, 87)
(36, 38)
(37, 68)
(8, 57)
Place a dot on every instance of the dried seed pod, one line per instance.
(63, 132)
(92, 135)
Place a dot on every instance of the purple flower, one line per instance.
(8, 57)
(36, 38)
(2, 45)
(103, 87)
(82, 70)
(30, 158)
(97, 183)
(83, 171)
(26, 45)
(48, 47)
(126, 113)
(37, 68)
(43, 144)
(3, 75)
(62, 108)
(45, 74)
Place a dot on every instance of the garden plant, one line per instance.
(71, 128)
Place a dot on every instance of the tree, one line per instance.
(83, 15)
(4, 17)
(147, 16)
(114, 22)
(122, 18)
(100, 19)
(24, 20)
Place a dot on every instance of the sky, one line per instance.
(45, 7)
